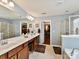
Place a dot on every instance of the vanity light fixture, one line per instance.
(11, 4)
(8, 3)
(5, 1)
(30, 18)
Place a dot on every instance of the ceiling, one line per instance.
(40, 8)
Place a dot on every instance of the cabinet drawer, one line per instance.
(14, 51)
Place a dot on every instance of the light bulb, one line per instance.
(30, 18)
(5, 1)
(11, 4)
(47, 28)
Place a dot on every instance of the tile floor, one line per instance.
(49, 54)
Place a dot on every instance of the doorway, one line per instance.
(47, 33)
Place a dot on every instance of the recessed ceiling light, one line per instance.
(66, 10)
(43, 13)
(60, 1)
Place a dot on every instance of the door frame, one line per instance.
(42, 31)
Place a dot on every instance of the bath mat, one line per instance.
(40, 48)
(57, 50)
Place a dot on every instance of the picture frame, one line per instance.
(36, 25)
(30, 25)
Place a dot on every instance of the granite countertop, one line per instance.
(15, 42)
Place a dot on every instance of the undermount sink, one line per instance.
(3, 42)
(8, 43)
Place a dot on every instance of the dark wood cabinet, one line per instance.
(3, 56)
(22, 51)
(13, 57)
(33, 43)
(14, 51)
(23, 54)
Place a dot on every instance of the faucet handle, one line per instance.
(72, 51)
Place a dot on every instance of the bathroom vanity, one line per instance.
(18, 47)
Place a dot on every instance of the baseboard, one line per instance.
(57, 45)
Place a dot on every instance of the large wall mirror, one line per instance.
(74, 24)
(7, 29)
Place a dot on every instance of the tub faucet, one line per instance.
(72, 51)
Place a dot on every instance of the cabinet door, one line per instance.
(3, 56)
(13, 57)
(36, 41)
(14, 51)
(24, 54)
